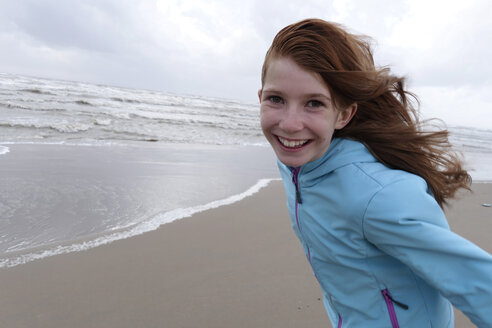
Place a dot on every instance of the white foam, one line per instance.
(89, 143)
(4, 150)
(139, 229)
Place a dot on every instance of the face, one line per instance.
(297, 115)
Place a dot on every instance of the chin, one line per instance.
(292, 162)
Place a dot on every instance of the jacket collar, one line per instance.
(340, 153)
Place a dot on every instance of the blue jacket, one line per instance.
(380, 245)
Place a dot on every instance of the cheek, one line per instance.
(266, 119)
(323, 128)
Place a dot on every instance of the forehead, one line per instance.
(284, 74)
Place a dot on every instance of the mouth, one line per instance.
(293, 144)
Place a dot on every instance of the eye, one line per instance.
(314, 104)
(275, 99)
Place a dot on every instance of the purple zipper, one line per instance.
(339, 316)
(391, 309)
(295, 175)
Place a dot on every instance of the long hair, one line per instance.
(386, 120)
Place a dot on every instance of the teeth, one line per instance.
(292, 143)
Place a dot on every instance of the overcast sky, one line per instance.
(216, 47)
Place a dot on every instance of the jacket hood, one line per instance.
(340, 153)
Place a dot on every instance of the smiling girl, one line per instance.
(365, 185)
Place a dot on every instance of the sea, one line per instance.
(83, 165)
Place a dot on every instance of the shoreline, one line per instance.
(61, 198)
(238, 265)
(152, 224)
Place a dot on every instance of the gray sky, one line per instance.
(216, 47)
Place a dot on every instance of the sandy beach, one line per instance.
(235, 266)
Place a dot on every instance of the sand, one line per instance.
(236, 266)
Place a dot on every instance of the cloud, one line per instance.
(87, 26)
(445, 43)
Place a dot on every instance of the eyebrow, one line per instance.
(316, 95)
(310, 95)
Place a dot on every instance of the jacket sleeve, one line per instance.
(404, 221)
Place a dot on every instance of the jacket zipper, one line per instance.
(295, 175)
(339, 316)
(391, 309)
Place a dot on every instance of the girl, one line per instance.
(365, 185)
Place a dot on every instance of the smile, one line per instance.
(293, 143)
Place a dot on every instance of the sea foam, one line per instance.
(146, 226)
(4, 150)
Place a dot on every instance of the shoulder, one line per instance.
(403, 199)
(387, 194)
(347, 158)
(386, 177)
(378, 177)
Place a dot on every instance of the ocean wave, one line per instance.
(83, 102)
(125, 100)
(13, 106)
(31, 108)
(103, 121)
(37, 91)
(4, 150)
(149, 225)
(76, 143)
(64, 127)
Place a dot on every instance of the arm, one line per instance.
(405, 221)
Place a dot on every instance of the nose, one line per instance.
(291, 120)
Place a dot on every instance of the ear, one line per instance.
(259, 94)
(345, 116)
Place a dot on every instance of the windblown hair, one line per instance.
(386, 120)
